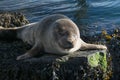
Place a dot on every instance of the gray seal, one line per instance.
(54, 34)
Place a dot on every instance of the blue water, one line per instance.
(89, 14)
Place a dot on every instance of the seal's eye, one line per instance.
(60, 31)
(63, 33)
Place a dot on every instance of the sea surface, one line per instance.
(89, 15)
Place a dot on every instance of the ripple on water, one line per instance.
(81, 11)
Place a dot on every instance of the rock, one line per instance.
(81, 65)
(12, 19)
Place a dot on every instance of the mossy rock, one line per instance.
(12, 19)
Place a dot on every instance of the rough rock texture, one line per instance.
(86, 65)
(12, 19)
(112, 40)
(114, 48)
(82, 65)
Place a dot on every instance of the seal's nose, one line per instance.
(68, 45)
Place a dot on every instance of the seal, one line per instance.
(54, 34)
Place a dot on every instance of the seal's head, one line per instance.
(66, 33)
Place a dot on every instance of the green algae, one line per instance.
(98, 59)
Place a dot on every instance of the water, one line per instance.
(90, 14)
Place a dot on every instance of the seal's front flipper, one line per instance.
(32, 52)
(24, 56)
(87, 46)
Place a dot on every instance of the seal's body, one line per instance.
(54, 34)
